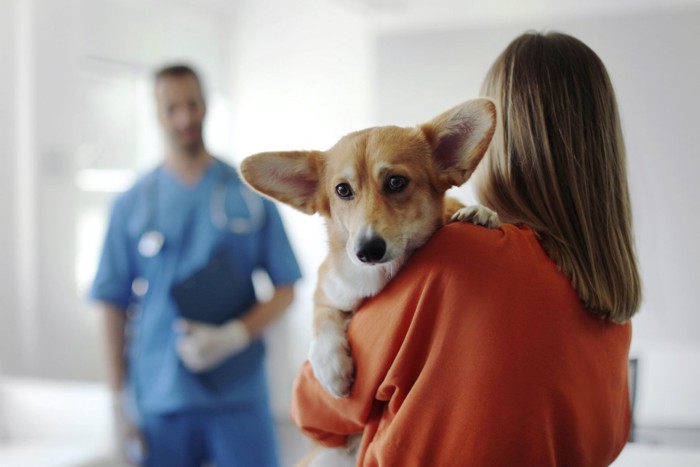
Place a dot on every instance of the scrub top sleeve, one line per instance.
(277, 256)
(114, 276)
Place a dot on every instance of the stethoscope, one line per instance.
(151, 242)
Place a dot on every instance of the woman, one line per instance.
(508, 346)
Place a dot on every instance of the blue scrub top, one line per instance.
(160, 201)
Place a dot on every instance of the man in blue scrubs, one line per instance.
(183, 325)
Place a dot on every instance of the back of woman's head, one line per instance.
(557, 164)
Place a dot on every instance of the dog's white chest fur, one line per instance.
(347, 284)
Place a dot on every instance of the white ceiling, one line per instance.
(429, 14)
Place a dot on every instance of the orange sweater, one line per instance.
(478, 353)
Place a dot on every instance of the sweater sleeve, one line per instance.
(329, 421)
(377, 333)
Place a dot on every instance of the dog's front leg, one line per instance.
(449, 208)
(329, 353)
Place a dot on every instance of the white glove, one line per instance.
(204, 346)
(130, 443)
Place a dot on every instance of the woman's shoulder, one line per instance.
(465, 239)
(480, 257)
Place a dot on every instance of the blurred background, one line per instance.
(77, 125)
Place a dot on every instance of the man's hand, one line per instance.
(203, 346)
(130, 444)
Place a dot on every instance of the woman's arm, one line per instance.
(377, 333)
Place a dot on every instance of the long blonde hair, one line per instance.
(557, 164)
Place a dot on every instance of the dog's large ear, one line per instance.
(290, 177)
(460, 137)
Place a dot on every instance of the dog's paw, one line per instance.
(331, 362)
(480, 215)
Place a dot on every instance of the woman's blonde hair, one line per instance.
(557, 164)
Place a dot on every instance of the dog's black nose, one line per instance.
(372, 251)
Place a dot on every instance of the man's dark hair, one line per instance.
(177, 71)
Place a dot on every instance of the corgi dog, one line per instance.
(381, 192)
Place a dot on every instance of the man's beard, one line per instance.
(193, 148)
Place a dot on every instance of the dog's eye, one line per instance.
(396, 183)
(344, 191)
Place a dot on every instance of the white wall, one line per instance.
(302, 78)
(298, 75)
(54, 48)
(7, 170)
(654, 64)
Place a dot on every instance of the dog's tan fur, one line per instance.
(430, 158)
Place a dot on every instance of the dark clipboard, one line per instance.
(210, 294)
